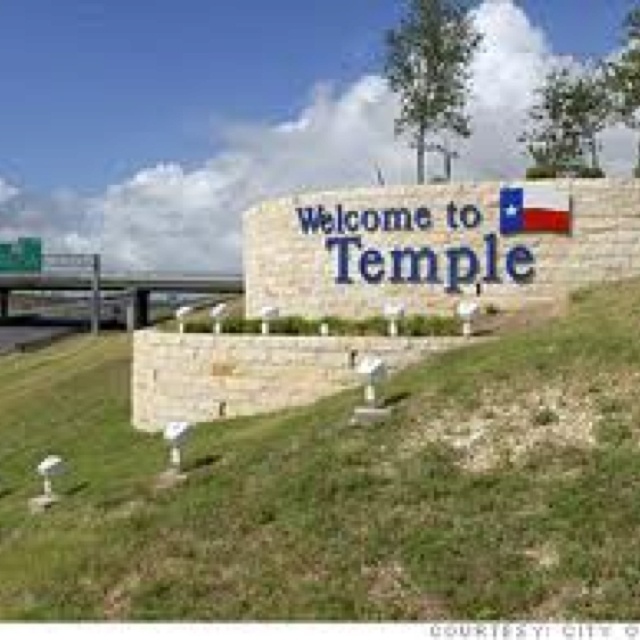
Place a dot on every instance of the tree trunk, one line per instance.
(448, 162)
(594, 153)
(421, 155)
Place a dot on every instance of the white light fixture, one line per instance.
(267, 314)
(374, 371)
(467, 311)
(216, 316)
(181, 314)
(394, 312)
(324, 329)
(176, 434)
(50, 467)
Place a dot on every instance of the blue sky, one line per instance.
(93, 90)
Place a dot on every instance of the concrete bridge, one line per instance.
(135, 288)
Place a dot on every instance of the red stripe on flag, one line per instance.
(538, 220)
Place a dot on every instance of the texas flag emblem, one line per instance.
(534, 209)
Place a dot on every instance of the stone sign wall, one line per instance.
(202, 378)
(348, 253)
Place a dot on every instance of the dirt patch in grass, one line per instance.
(127, 509)
(555, 606)
(510, 321)
(390, 588)
(506, 428)
(545, 556)
(117, 602)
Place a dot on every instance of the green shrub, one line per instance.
(197, 326)
(337, 326)
(415, 325)
(374, 326)
(237, 324)
(636, 172)
(294, 326)
(545, 416)
(541, 173)
(549, 172)
(591, 173)
(418, 326)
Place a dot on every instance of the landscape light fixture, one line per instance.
(267, 314)
(467, 311)
(374, 371)
(394, 312)
(324, 329)
(216, 316)
(176, 434)
(181, 314)
(50, 467)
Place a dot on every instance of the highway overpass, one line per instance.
(135, 287)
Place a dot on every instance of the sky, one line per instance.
(125, 122)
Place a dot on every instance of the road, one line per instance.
(24, 337)
(40, 322)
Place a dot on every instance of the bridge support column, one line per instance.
(138, 309)
(5, 294)
(142, 304)
(96, 296)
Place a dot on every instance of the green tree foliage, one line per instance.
(632, 25)
(573, 106)
(427, 64)
(625, 79)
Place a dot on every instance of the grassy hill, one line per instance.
(507, 485)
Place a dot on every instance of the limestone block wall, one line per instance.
(201, 378)
(294, 271)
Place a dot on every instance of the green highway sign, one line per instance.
(23, 256)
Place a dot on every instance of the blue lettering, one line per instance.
(456, 274)
(452, 211)
(342, 244)
(352, 221)
(520, 257)
(491, 246)
(327, 224)
(470, 217)
(311, 219)
(371, 220)
(370, 259)
(423, 219)
(396, 220)
(354, 260)
(423, 265)
(340, 220)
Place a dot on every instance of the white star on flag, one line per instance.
(511, 210)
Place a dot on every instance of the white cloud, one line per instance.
(7, 191)
(509, 66)
(166, 217)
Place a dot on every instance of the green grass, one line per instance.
(302, 516)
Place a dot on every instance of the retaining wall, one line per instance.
(201, 378)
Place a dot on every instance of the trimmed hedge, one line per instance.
(297, 326)
(549, 172)
(541, 173)
(591, 172)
